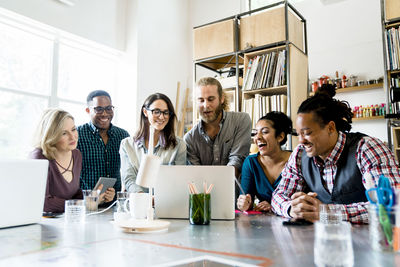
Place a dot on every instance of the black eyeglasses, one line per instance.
(100, 110)
(157, 112)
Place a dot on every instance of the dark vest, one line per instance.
(348, 187)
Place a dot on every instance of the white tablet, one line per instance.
(106, 182)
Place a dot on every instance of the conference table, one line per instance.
(249, 240)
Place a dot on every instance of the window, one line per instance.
(44, 67)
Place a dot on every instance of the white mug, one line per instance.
(139, 204)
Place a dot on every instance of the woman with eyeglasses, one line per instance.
(56, 139)
(157, 111)
(261, 172)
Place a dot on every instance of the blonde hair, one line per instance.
(212, 81)
(49, 130)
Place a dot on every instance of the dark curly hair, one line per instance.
(280, 122)
(326, 109)
(328, 89)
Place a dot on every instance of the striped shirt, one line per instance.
(372, 156)
(98, 159)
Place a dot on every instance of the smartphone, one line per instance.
(106, 182)
(296, 222)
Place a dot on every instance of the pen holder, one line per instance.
(384, 228)
(199, 209)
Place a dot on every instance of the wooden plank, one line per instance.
(263, 28)
(359, 88)
(369, 118)
(177, 105)
(296, 31)
(396, 142)
(214, 39)
(392, 9)
(298, 84)
(184, 110)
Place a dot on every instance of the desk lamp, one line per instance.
(148, 171)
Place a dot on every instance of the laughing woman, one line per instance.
(56, 141)
(261, 172)
(158, 112)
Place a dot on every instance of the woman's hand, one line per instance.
(244, 202)
(108, 195)
(263, 206)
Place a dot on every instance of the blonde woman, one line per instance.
(56, 140)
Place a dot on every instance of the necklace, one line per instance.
(65, 169)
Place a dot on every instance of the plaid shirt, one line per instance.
(372, 156)
(98, 159)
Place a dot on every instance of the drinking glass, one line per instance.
(121, 198)
(384, 228)
(330, 213)
(332, 244)
(199, 208)
(75, 211)
(91, 198)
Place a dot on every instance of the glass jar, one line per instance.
(352, 81)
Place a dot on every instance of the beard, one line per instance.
(212, 117)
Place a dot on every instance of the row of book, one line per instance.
(266, 71)
(395, 82)
(393, 48)
(260, 105)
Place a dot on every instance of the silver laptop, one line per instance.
(23, 184)
(171, 192)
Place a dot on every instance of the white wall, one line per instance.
(163, 58)
(346, 36)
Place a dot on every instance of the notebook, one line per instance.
(171, 192)
(23, 184)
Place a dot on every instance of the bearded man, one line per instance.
(221, 137)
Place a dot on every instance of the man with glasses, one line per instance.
(220, 138)
(99, 142)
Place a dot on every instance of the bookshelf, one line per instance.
(390, 20)
(396, 142)
(277, 28)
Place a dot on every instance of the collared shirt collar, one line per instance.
(96, 130)
(161, 142)
(335, 153)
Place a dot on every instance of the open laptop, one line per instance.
(171, 191)
(23, 185)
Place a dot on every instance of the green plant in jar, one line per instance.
(199, 208)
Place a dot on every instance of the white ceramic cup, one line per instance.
(138, 206)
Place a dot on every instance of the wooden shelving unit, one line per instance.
(357, 88)
(390, 18)
(360, 88)
(369, 118)
(278, 27)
